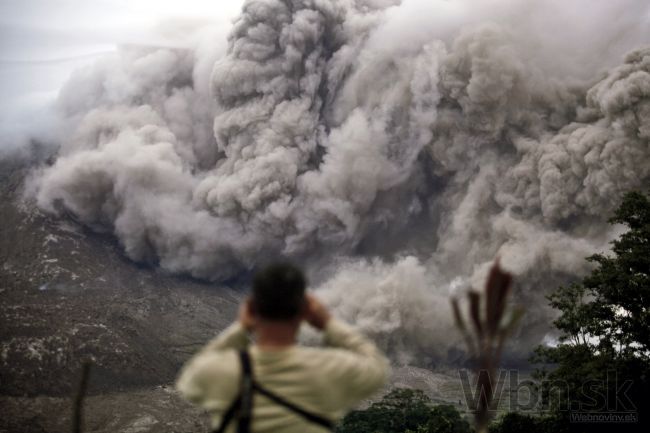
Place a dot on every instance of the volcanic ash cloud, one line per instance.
(364, 131)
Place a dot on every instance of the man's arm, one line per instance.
(212, 365)
(234, 336)
(204, 367)
(360, 367)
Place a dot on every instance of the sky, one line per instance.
(43, 41)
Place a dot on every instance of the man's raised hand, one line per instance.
(316, 314)
(246, 317)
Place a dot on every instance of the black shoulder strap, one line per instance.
(246, 408)
(228, 416)
(309, 416)
(243, 404)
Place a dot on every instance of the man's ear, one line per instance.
(250, 306)
(304, 309)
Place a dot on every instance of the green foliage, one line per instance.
(604, 344)
(404, 410)
(518, 423)
(621, 284)
(605, 329)
(608, 312)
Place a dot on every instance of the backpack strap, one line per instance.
(242, 407)
(309, 416)
(228, 416)
(246, 407)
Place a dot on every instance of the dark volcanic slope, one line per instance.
(67, 295)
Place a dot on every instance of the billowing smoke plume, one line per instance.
(394, 149)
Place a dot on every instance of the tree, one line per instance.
(620, 284)
(603, 360)
(514, 422)
(445, 418)
(404, 410)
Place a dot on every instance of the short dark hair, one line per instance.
(279, 291)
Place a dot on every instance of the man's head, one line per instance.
(279, 292)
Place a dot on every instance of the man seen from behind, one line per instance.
(276, 385)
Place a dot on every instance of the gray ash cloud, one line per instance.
(368, 140)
